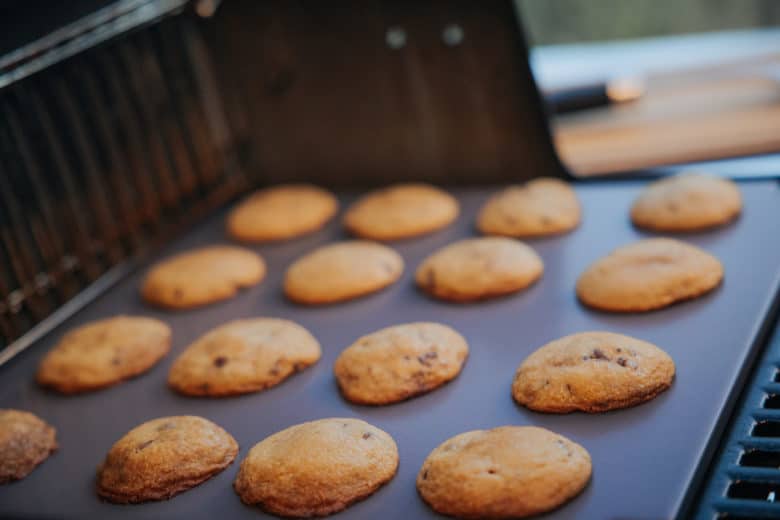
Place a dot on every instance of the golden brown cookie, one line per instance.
(25, 442)
(506, 472)
(104, 353)
(281, 212)
(648, 274)
(592, 372)
(164, 457)
(317, 468)
(202, 276)
(544, 206)
(243, 356)
(342, 271)
(401, 211)
(687, 202)
(479, 268)
(400, 362)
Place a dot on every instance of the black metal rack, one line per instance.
(744, 480)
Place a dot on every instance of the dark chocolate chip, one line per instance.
(426, 358)
(492, 471)
(598, 354)
(220, 361)
(425, 475)
(367, 435)
(621, 361)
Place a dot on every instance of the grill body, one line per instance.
(122, 130)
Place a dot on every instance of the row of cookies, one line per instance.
(645, 275)
(591, 371)
(321, 467)
(540, 207)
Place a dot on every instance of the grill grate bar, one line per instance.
(138, 157)
(46, 232)
(164, 107)
(95, 191)
(755, 474)
(118, 176)
(19, 240)
(76, 222)
(169, 194)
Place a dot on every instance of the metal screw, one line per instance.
(452, 35)
(207, 8)
(395, 37)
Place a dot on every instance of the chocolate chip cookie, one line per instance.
(401, 211)
(479, 268)
(317, 468)
(25, 442)
(202, 276)
(104, 353)
(400, 362)
(647, 275)
(164, 457)
(243, 356)
(506, 472)
(592, 372)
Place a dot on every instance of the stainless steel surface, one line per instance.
(643, 458)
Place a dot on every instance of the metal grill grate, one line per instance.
(745, 480)
(102, 155)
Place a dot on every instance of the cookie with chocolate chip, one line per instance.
(479, 268)
(592, 372)
(687, 202)
(506, 472)
(317, 468)
(342, 271)
(544, 206)
(104, 353)
(400, 362)
(401, 211)
(164, 457)
(243, 356)
(281, 213)
(202, 276)
(649, 274)
(25, 442)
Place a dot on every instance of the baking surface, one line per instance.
(643, 457)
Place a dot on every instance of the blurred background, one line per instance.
(709, 72)
(569, 21)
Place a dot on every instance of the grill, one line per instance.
(124, 135)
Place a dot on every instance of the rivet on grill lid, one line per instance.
(452, 35)
(395, 37)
